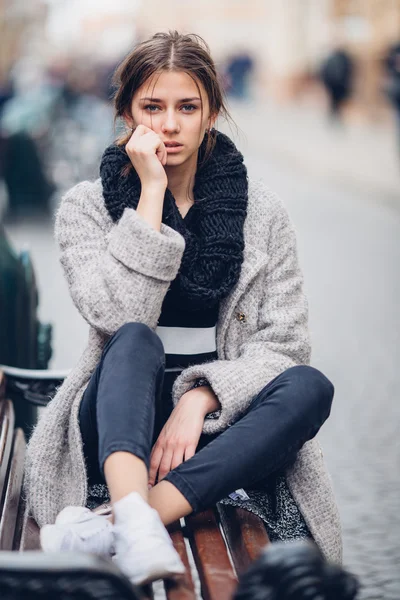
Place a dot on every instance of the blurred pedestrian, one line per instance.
(337, 76)
(196, 385)
(28, 186)
(392, 83)
(6, 93)
(238, 73)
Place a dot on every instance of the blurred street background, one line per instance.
(314, 89)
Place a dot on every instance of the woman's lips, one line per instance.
(173, 149)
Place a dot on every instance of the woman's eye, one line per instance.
(154, 107)
(192, 106)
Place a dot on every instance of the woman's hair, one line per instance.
(171, 51)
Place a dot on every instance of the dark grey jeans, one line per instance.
(127, 402)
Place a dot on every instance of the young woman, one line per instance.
(195, 385)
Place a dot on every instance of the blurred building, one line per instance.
(98, 30)
(22, 26)
(367, 28)
(289, 38)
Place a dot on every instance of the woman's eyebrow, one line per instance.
(159, 100)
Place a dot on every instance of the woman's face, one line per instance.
(170, 105)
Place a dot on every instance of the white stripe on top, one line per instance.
(188, 340)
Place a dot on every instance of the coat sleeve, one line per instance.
(114, 276)
(280, 342)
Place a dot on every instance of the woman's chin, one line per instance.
(174, 159)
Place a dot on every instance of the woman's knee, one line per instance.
(139, 335)
(314, 387)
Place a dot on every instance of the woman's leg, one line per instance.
(288, 412)
(117, 418)
(118, 409)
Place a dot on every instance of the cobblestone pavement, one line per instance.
(350, 253)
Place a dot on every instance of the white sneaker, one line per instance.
(78, 529)
(144, 549)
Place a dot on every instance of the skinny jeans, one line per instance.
(127, 402)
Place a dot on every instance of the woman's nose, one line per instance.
(170, 123)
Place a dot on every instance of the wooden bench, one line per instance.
(223, 541)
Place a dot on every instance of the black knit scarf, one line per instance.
(213, 253)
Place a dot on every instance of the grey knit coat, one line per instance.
(119, 273)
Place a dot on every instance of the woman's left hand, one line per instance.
(180, 435)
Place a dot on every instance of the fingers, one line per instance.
(155, 460)
(164, 461)
(146, 140)
(189, 452)
(140, 130)
(165, 464)
(165, 458)
(161, 153)
(171, 460)
(177, 458)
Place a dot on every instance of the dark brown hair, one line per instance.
(170, 51)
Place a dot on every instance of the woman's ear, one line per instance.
(211, 121)
(128, 120)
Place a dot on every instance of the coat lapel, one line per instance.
(253, 262)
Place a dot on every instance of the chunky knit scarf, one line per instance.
(213, 254)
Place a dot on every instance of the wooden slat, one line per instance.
(20, 523)
(2, 385)
(30, 537)
(245, 534)
(183, 588)
(6, 440)
(12, 492)
(217, 578)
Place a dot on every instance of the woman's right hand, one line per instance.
(148, 155)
